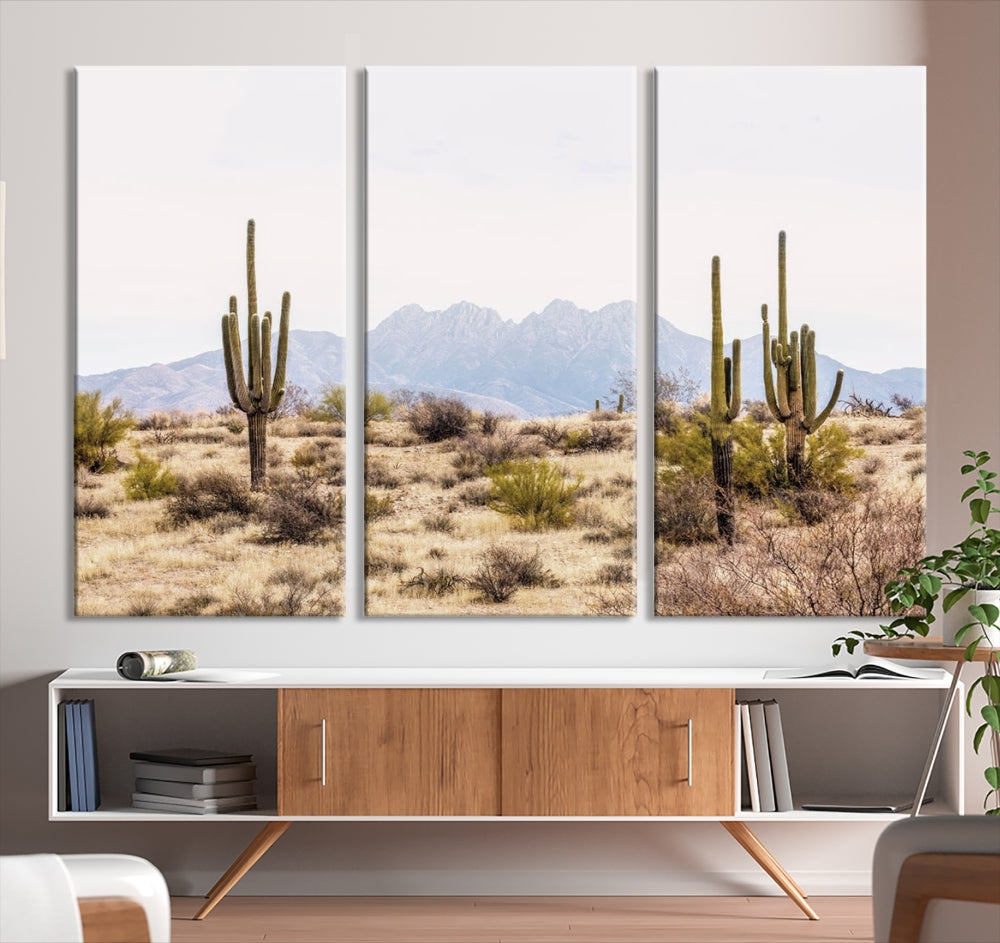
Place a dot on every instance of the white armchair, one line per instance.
(82, 899)
(936, 879)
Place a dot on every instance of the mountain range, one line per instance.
(555, 361)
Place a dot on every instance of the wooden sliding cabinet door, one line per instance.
(398, 751)
(606, 751)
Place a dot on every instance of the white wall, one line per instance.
(40, 43)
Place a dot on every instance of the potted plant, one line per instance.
(971, 567)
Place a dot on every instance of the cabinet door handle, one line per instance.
(690, 742)
(322, 752)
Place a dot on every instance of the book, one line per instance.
(779, 758)
(865, 804)
(163, 787)
(92, 787)
(74, 741)
(62, 766)
(191, 756)
(762, 756)
(748, 752)
(195, 774)
(153, 805)
(860, 669)
(180, 804)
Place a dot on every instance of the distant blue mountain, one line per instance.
(555, 361)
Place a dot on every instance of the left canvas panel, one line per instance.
(211, 314)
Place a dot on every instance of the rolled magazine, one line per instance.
(136, 666)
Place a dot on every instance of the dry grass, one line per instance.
(134, 562)
(441, 529)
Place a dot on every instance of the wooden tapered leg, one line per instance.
(250, 855)
(755, 848)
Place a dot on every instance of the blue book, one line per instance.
(92, 789)
(62, 767)
(74, 755)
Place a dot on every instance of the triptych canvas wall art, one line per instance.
(500, 406)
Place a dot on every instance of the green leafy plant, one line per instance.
(97, 429)
(974, 563)
(148, 479)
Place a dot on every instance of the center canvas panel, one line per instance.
(211, 321)
(790, 384)
(500, 400)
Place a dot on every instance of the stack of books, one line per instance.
(194, 781)
(764, 770)
(79, 788)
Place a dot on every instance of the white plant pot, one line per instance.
(958, 616)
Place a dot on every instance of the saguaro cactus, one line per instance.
(791, 389)
(258, 393)
(725, 408)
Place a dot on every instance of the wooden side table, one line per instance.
(931, 649)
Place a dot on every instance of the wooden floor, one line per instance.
(522, 920)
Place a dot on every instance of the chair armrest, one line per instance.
(944, 876)
(113, 920)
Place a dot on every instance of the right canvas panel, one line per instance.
(790, 349)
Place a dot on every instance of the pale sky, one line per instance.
(505, 187)
(836, 158)
(171, 163)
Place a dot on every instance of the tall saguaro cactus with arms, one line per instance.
(790, 379)
(725, 408)
(258, 392)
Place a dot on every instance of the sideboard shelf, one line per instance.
(845, 739)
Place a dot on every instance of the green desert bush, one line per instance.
(332, 405)
(148, 480)
(536, 493)
(436, 418)
(377, 508)
(97, 429)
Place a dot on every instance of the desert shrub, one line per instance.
(88, 505)
(97, 430)
(872, 465)
(143, 603)
(827, 453)
(476, 452)
(200, 436)
(684, 507)
(837, 567)
(536, 493)
(379, 474)
(439, 583)
(332, 405)
(758, 411)
(809, 505)
(193, 605)
(551, 432)
(476, 494)
(918, 424)
(501, 571)
(299, 511)
(288, 591)
(378, 563)
(917, 469)
(615, 601)
(605, 415)
(436, 418)
(614, 574)
(902, 403)
(208, 494)
(377, 508)
(321, 459)
(295, 402)
(235, 426)
(378, 406)
(148, 480)
(489, 422)
(439, 523)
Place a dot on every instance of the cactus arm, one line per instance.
(278, 383)
(234, 368)
(823, 416)
(265, 363)
(808, 339)
(769, 395)
(734, 391)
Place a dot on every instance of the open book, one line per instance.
(860, 668)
